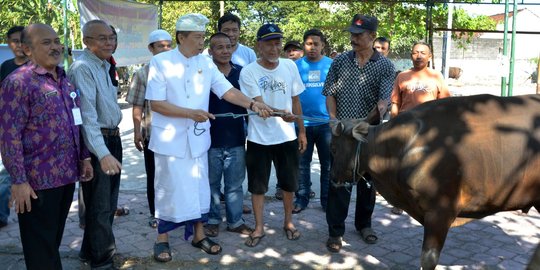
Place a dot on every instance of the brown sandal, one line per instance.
(292, 234)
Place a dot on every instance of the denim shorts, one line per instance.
(259, 160)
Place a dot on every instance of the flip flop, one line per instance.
(152, 222)
(292, 234)
(279, 194)
(242, 229)
(206, 245)
(368, 235)
(333, 244)
(297, 209)
(246, 209)
(161, 248)
(122, 211)
(253, 241)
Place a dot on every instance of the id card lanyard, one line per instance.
(76, 111)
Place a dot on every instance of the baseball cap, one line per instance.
(158, 35)
(361, 23)
(269, 31)
(292, 43)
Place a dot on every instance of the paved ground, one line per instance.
(502, 241)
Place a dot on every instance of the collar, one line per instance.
(92, 57)
(374, 57)
(42, 71)
(234, 66)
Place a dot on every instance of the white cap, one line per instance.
(192, 22)
(159, 35)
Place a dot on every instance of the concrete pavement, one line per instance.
(502, 241)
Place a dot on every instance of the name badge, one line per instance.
(51, 93)
(77, 118)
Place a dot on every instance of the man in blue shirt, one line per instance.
(313, 68)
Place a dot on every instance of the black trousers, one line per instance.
(338, 207)
(42, 228)
(150, 167)
(101, 199)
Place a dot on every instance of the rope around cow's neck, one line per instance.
(199, 131)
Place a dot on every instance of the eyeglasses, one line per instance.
(103, 39)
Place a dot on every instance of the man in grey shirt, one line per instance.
(101, 116)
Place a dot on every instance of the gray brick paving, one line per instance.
(502, 241)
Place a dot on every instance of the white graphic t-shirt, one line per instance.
(276, 87)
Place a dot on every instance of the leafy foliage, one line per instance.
(25, 12)
(403, 23)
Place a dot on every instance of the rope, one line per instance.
(199, 131)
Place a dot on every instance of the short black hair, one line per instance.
(422, 43)
(14, 30)
(382, 40)
(183, 33)
(314, 32)
(217, 35)
(228, 17)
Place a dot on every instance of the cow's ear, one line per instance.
(360, 131)
(337, 128)
(373, 117)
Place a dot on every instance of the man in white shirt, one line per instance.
(277, 83)
(230, 25)
(179, 85)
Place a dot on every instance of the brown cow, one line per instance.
(447, 161)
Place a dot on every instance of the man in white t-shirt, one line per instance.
(230, 25)
(277, 83)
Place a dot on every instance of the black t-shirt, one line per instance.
(7, 67)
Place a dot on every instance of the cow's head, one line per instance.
(347, 134)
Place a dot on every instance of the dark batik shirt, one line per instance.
(39, 141)
(358, 89)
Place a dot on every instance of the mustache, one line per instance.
(55, 53)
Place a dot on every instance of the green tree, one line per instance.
(403, 23)
(25, 12)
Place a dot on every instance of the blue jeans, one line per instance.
(319, 136)
(228, 163)
(5, 192)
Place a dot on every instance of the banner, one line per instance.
(133, 23)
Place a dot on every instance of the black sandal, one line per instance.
(206, 245)
(333, 244)
(162, 248)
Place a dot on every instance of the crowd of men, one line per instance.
(202, 121)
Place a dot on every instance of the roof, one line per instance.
(500, 17)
